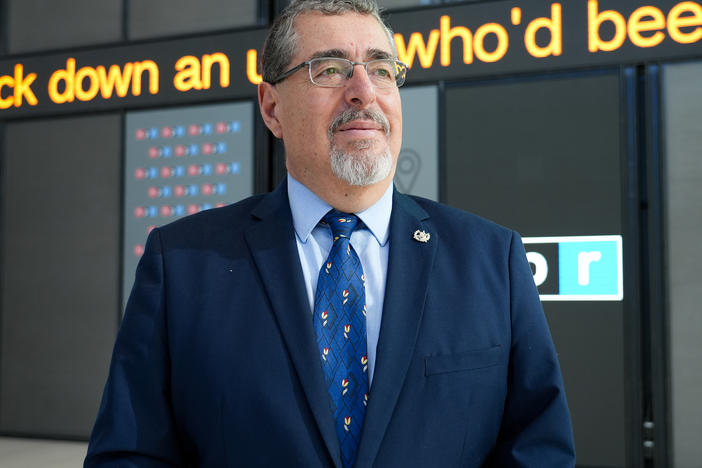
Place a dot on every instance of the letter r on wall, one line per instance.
(584, 261)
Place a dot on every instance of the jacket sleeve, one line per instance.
(135, 425)
(536, 428)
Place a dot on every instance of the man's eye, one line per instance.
(383, 72)
(330, 71)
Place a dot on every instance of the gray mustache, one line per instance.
(354, 114)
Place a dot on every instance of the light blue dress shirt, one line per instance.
(372, 245)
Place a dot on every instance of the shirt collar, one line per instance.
(308, 209)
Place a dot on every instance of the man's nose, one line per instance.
(360, 90)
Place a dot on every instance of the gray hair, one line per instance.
(280, 44)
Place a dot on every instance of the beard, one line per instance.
(363, 164)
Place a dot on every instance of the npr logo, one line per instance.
(577, 268)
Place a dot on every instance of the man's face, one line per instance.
(357, 125)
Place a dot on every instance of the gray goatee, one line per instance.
(361, 166)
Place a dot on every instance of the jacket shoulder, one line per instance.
(207, 226)
(453, 222)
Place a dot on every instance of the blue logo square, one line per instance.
(588, 268)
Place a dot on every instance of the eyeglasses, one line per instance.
(334, 72)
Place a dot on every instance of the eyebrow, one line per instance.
(375, 54)
(371, 54)
(338, 53)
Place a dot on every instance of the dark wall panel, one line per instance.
(539, 156)
(60, 254)
(155, 18)
(543, 156)
(50, 24)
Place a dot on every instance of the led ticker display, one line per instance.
(447, 42)
(180, 162)
(502, 37)
(213, 67)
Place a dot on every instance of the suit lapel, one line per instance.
(273, 246)
(409, 266)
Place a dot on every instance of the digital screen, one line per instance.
(181, 161)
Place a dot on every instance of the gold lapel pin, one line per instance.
(421, 236)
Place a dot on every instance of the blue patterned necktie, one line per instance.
(340, 324)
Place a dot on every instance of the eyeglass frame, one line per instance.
(307, 63)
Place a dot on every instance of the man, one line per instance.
(245, 343)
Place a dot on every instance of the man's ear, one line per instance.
(268, 104)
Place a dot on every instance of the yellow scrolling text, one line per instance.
(252, 67)
(68, 84)
(645, 26)
(19, 88)
(605, 30)
(194, 73)
(473, 44)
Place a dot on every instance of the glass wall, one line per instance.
(682, 117)
(418, 163)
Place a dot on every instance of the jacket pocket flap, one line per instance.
(475, 359)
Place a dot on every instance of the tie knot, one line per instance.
(342, 224)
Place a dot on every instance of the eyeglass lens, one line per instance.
(334, 72)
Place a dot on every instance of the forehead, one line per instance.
(358, 36)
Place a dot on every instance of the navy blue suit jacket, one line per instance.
(216, 365)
